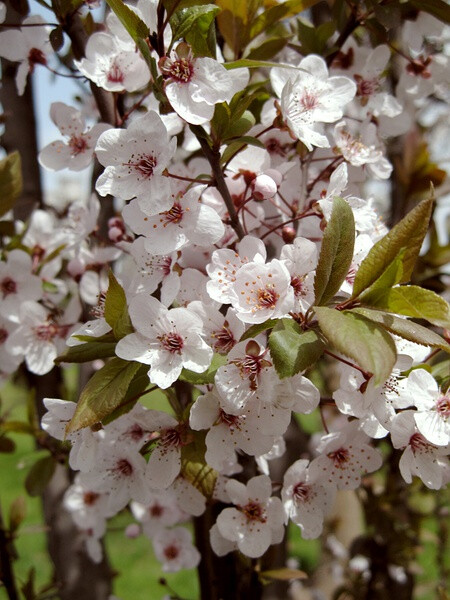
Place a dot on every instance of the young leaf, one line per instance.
(196, 25)
(194, 467)
(406, 329)
(17, 513)
(282, 574)
(129, 19)
(390, 277)
(336, 253)
(39, 475)
(10, 181)
(85, 352)
(255, 330)
(293, 350)
(416, 302)
(278, 12)
(139, 383)
(235, 20)
(408, 233)
(358, 338)
(103, 393)
(116, 310)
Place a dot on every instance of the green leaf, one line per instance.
(39, 475)
(254, 64)
(292, 349)
(116, 310)
(336, 253)
(390, 277)
(414, 301)
(255, 330)
(136, 388)
(314, 39)
(408, 233)
(18, 427)
(10, 181)
(239, 127)
(207, 376)
(194, 467)
(196, 25)
(103, 393)
(441, 372)
(360, 339)
(437, 8)
(406, 329)
(235, 20)
(7, 445)
(277, 13)
(129, 19)
(238, 145)
(282, 574)
(104, 339)
(268, 49)
(17, 513)
(86, 352)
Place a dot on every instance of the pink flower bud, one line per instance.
(264, 187)
(133, 531)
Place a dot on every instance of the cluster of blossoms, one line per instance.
(201, 267)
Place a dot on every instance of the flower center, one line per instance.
(267, 297)
(45, 333)
(78, 145)
(8, 286)
(124, 468)
(350, 277)
(115, 74)
(340, 457)
(253, 512)
(231, 421)
(90, 498)
(172, 342)
(3, 335)
(224, 339)
(275, 147)
(174, 215)
(418, 443)
(35, 57)
(309, 101)
(443, 406)
(301, 492)
(156, 511)
(136, 433)
(252, 364)
(145, 165)
(171, 552)
(172, 438)
(366, 87)
(181, 70)
(297, 284)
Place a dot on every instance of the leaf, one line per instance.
(139, 383)
(239, 127)
(437, 8)
(7, 228)
(17, 513)
(234, 22)
(292, 349)
(414, 301)
(268, 49)
(196, 25)
(282, 574)
(408, 233)
(207, 376)
(255, 64)
(406, 329)
(255, 330)
(239, 144)
(129, 19)
(336, 253)
(10, 181)
(360, 339)
(39, 475)
(277, 13)
(194, 467)
(103, 393)
(116, 310)
(86, 352)
(390, 277)
(17, 427)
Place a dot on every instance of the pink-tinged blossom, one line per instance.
(17, 283)
(8, 361)
(221, 332)
(420, 457)
(227, 433)
(306, 498)
(256, 522)
(161, 511)
(111, 67)
(186, 221)
(433, 407)
(174, 549)
(247, 375)
(77, 151)
(135, 159)
(344, 457)
(262, 292)
(300, 259)
(167, 340)
(309, 98)
(41, 336)
(29, 46)
(194, 86)
(85, 442)
(225, 264)
(120, 472)
(86, 506)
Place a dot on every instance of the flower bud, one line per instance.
(289, 234)
(263, 187)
